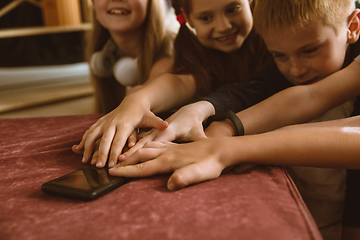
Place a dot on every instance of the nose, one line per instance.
(297, 68)
(223, 24)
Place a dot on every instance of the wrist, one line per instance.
(229, 153)
(238, 150)
(224, 128)
(230, 128)
(206, 109)
(201, 110)
(230, 115)
(135, 101)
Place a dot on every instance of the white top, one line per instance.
(323, 189)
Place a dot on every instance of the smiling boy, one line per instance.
(308, 44)
(309, 40)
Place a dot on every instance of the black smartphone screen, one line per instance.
(87, 183)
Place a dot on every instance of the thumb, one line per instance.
(193, 173)
(155, 122)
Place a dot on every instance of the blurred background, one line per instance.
(42, 65)
(42, 68)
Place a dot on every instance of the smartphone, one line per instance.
(87, 183)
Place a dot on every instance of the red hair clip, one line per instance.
(181, 19)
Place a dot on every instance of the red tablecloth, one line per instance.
(261, 203)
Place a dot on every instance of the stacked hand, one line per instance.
(185, 125)
(191, 162)
(114, 130)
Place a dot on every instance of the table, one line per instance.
(261, 203)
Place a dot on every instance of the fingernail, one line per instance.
(77, 147)
(171, 186)
(83, 159)
(114, 170)
(111, 164)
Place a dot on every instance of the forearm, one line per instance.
(166, 92)
(291, 106)
(301, 104)
(332, 144)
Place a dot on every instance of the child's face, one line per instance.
(309, 55)
(121, 16)
(221, 25)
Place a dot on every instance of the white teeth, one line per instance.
(117, 11)
(226, 38)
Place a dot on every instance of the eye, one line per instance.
(310, 50)
(205, 18)
(233, 9)
(278, 56)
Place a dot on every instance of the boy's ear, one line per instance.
(354, 26)
(186, 17)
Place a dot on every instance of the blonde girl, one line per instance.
(128, 28)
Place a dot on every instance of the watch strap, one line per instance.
(232, 117)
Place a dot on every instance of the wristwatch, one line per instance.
(232, 117)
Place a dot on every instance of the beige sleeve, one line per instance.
(357, 59)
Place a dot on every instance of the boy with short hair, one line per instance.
(309, 41)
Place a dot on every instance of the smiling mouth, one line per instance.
(118, 12)
(227, 38)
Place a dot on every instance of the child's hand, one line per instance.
(191, 162)
(184, 125)
(224, 128)
(95, 156)
(114, 130)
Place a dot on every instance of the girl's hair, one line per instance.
(284, 15)
(212, 68)
(157, 44)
